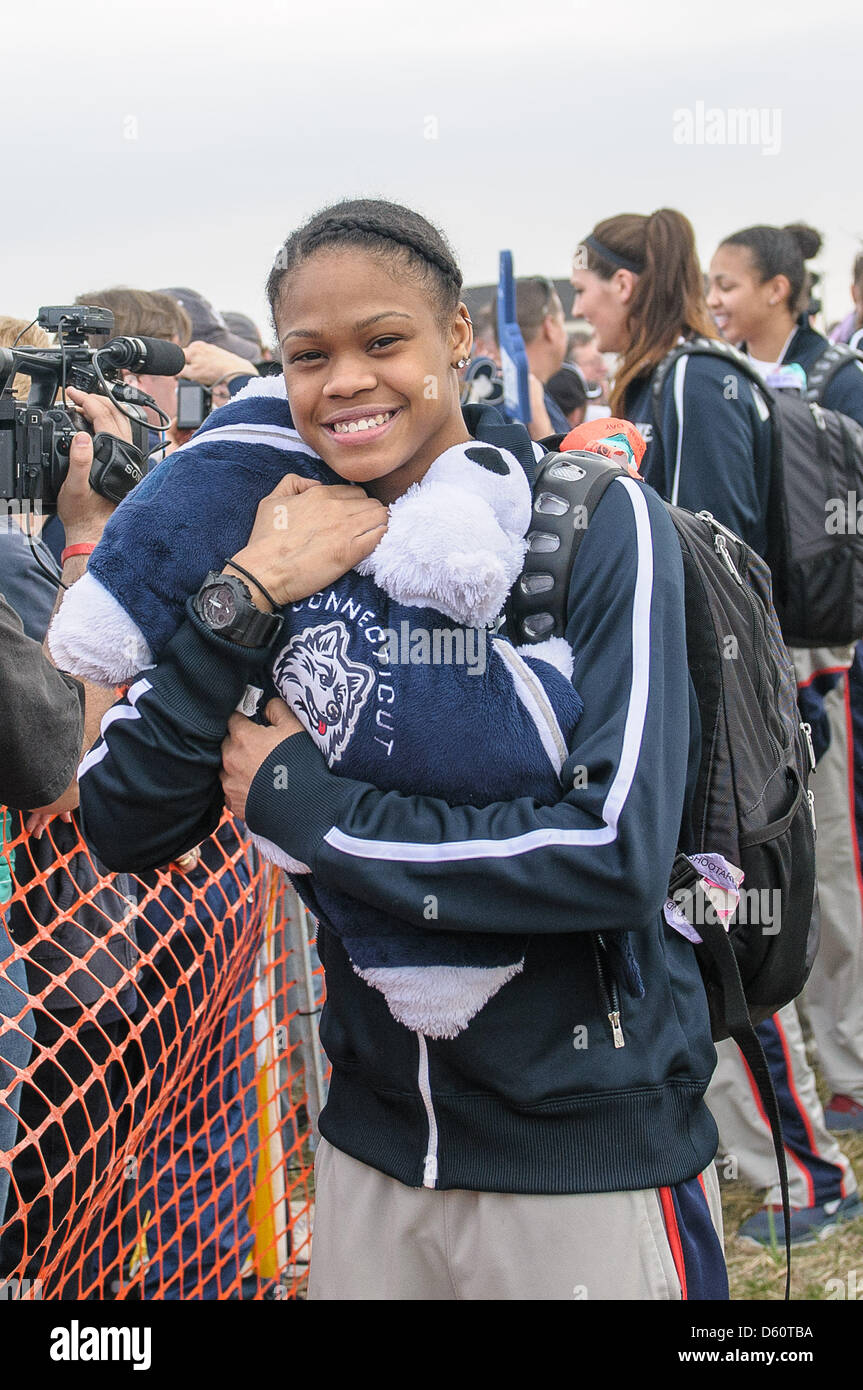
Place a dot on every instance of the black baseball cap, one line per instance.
(567, 388)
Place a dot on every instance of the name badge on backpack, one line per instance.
(720, 886)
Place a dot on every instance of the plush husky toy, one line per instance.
(392, 669)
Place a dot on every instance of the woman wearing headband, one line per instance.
(638, 281)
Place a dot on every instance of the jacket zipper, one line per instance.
(608, 990)
(430, 1160)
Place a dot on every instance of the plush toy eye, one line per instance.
(488, 458)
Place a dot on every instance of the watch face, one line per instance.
(218, 606)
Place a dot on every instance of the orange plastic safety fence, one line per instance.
(159, 1074)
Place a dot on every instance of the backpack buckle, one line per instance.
(683, 875)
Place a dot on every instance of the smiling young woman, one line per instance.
(563, 1120)
(758, 285)
(372, 338)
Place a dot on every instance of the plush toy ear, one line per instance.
(493, 474)
(488, 458)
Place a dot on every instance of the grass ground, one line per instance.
(760, 1274)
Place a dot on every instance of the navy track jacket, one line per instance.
(533, 1096)
(845, 391)
(714, 450)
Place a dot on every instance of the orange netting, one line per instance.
(160, 1074)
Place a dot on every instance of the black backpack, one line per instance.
(751, 802)
(815, 552)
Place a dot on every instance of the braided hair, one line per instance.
(384, 229)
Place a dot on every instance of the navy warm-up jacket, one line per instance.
(533, 1096)
(712, 450)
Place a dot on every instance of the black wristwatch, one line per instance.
(224, 604)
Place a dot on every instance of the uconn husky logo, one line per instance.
(317, 678)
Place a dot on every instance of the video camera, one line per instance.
(36, 436)
(194, 403)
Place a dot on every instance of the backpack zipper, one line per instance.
(806, 730)
(810, 746)
(430, 1160)
(607, 989)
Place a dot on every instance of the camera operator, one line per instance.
(147, 314)
(215, 364)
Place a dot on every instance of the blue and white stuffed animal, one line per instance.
(391, 669)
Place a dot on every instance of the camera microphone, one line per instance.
(154, 356)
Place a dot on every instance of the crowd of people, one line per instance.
(484, 902)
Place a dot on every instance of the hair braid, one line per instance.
(370, 224)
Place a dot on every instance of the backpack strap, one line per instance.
(703, 347)
(566, 493)
(834, 357)
(716, 945)
(777, 513)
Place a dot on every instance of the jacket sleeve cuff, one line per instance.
(203, 676)
(294, 799)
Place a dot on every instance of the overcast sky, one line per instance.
(177, 142)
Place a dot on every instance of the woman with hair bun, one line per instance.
(758, 293)
(637, 279)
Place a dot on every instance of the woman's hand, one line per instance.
(37, 822)
(247, 746)
(307, 535)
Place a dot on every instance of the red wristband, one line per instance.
(85, 548)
